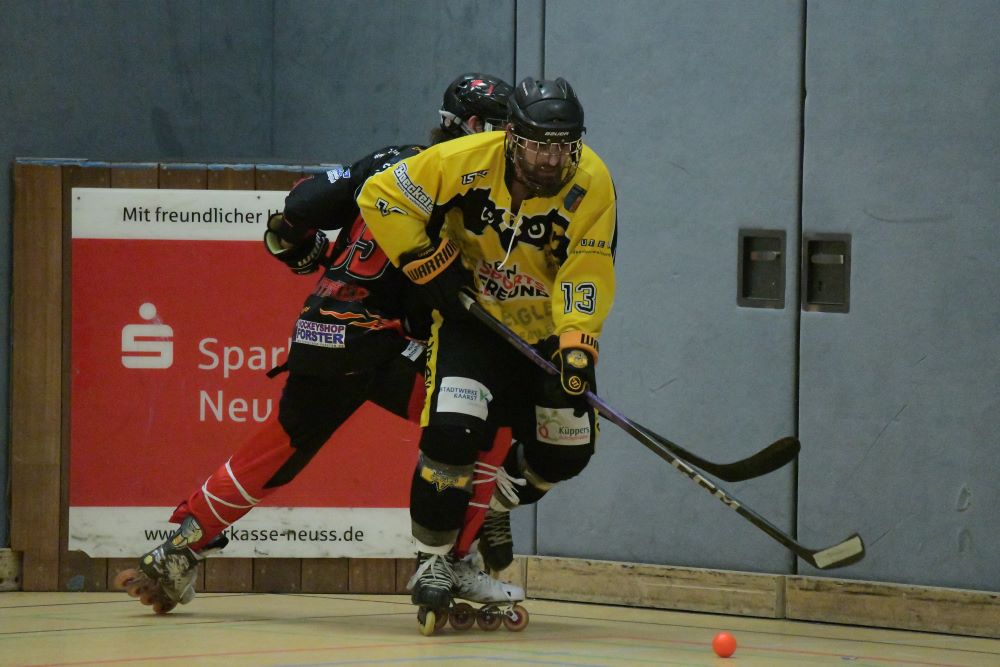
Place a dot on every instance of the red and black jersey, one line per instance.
(360, 292)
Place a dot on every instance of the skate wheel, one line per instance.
(163, 606)
(462, 616)
(516, 619)
(148, 597)
(141, 587)
(489, 618)
(427, 619)
(124, 578)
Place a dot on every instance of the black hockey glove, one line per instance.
(303, 257)
(576, 359)
(439, 276)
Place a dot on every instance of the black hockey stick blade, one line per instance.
(846, 552)
(778, 454)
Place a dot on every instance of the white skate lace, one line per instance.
(504, 480)
(440, 574)
(496, 528)
(211, 499)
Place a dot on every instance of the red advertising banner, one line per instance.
(178, 312)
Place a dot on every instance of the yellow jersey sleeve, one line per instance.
(397, 203)
(585, 282)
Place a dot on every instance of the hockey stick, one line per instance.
(769, 459)
(849, 551)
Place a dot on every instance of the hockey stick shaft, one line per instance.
(843, 553)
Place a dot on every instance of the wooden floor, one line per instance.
(297, 630)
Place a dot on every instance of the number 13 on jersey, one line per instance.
(580, 297)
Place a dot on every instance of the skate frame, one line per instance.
(846, 552)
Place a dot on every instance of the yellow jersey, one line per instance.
(548, 269)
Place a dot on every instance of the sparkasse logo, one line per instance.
(147, 345)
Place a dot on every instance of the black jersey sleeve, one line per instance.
(327, 200)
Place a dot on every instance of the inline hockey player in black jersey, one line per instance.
(358, 337)
(525, 221)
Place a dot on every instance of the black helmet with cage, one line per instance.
(544, 134)
(474, 94)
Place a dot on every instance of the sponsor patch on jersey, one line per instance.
(467, 179)
(414, 350)
(413, 192)
(510, 283)
(559, 426)
(338, 173)
(465, 396)
(592, 247)
(319, 334)
(573, 198)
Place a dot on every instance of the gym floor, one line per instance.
(296, 630)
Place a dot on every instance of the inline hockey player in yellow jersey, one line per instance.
(377, 360)
(524, 219)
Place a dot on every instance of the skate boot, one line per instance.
(431, 589)
(499, 599)
(496, 545)
(166, 574)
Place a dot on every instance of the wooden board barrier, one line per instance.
(930, 609)
(657, 586)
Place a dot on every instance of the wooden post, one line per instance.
(36, 372)
(191, 176)
(274, 575)
(144, 175)
(77, 570)
(231, 575)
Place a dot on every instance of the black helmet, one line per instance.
(474, 94)
(546, 111)
(545, 140)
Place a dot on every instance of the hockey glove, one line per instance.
(303, 257)
(439, 276)
(576, 359)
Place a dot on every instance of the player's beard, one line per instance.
(542, 180)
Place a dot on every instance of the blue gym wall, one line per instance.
(876, 119)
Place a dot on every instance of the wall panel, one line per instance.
(701, 134)
(901, 396)
(347, 81)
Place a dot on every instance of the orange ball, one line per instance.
(724, 645)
